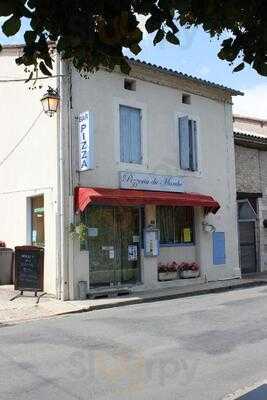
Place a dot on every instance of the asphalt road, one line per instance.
(199, 348)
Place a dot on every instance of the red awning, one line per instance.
(129, 197)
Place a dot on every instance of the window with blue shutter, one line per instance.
(218, 248)
(188, 144)
(130, 135)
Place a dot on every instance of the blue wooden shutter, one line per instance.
(184, 147)
(194, 165)
(218, 248)
(130, 135)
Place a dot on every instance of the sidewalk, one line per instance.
(25, 308)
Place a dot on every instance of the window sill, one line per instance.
(177, 244)
(132, 166)
(187, 173)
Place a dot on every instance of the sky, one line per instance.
(197, 56)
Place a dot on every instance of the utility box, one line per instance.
(6, 266)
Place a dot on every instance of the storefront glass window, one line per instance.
(176, 224)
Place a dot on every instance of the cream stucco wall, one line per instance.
(33, 167)
(161, 105)
(28, 160)
(250, 125)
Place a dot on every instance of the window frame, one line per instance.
(117, 102)
(176, 244)
(246, 201)
(138, 113)
(196, 118)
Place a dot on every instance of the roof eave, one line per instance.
(181, 75)
(252, 141)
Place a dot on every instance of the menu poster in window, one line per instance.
(187, 235)
(29, 268)
(132, 252)
(151, 243)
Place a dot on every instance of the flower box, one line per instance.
(173, 270)
(168, 272)
(189, 274)
(168, 276)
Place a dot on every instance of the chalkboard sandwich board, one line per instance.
(29, 268)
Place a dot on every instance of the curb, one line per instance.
(232, 287)
(244, 285)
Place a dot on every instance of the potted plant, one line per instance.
(189, 270)
(79, 231)
(168, 271)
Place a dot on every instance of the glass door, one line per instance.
(127, 245)
(114, 245)
(101, 246)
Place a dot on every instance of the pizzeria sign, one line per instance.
(145, 181)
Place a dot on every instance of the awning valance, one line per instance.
(128, 197)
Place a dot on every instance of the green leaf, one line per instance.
(124, 66)
(136, 36)
(48, 61)
(43, 69)
(31, 4)
(152, 24)
(6, 9)
(11, 26)
(239, 67)
(30, 37)
(227, 54)
(172, 38)
(158, 37)
(135, 48)
(29, 77)
(260, 67)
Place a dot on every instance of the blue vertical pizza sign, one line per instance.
(86, 141)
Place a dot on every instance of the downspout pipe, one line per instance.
(63, 180)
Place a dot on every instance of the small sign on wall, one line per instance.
(86, 141)
(92, 232)
(218, 239)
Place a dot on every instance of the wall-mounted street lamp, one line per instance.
(50, 101)
(208, 227)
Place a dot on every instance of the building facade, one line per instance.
(250, 137)
(133, 172)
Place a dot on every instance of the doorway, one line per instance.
(114, 244)
(247, 237)
(37, 221)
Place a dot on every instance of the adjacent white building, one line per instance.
(142, 164)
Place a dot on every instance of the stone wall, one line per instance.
(251, 177)
(248, 171)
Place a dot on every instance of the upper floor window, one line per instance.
(188, 144)
(130, 135)
(129, 84)
(186, 98)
